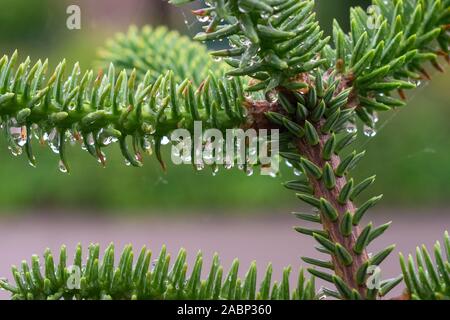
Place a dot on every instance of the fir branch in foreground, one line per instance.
(100, 109)
(146, 279)
(425, 280)
(160, 50)
(389, 54)
(273, 41)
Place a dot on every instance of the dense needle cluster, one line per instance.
(146, 279)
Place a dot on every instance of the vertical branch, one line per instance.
(333, 228)
(317, 118)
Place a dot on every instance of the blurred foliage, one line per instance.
(19, 18)
(409, 141)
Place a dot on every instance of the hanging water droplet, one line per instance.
(21, 138)
(203, 19)
(32, 163)
(70, 136)
(147, 145)
(215, 170)
(62, 167)
(15, 133)
(228, 164)
(138, 157)
(200, 166)
(90, 139)
(369, 131)
(249, 171)
(288, 164)
(351, 128)
(375, 117)
(54, 146)
(52, 139)
(165, 141)
(297, 172)
(108, 140)
(15, 150)
(127, 163)
(321, 294)
(101, 158)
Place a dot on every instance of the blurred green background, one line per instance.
(410, 154)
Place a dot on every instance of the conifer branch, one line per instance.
(424, 279)
(99, 109)
(143, 278)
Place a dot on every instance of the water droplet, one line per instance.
(215, 170)
(297, 172)
(22, 139)
(101, 158)
(147, 146)
(127, 163)
(375, 118)
(32, 163)
(369, 131)
(165, 141)
(351, 128)
(321, 294)
(203, 19)
(15, 150)
(52, 139)
(138, 157)
(249, 171)
(200, 166)
(288, 164)
(62, 167)
(228, 165)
